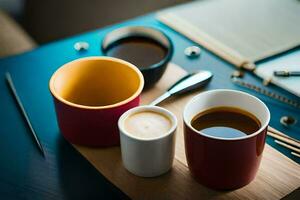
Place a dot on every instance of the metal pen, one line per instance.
(18, 100)
(286, 73)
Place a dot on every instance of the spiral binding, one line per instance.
(265, 92)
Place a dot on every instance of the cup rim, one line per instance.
(144, 32)
(133, 96)
(137, 109)
(260, 130)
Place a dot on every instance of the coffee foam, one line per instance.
(147, 124)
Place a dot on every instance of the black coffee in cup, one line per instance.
(226, 122)
(147, 48)
(142, 52)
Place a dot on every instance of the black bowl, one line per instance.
(151, 73)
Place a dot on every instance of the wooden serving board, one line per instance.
(277, 175)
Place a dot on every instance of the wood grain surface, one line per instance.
(277, 176)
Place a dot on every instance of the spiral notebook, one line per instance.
(243, 32)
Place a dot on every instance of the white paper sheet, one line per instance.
(289, 62)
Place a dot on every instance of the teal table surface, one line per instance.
(65, 174)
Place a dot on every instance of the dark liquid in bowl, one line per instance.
(226, 122)
(140, 51)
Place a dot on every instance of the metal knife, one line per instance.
(187, 83)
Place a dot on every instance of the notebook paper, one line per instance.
(288, 62)
(240, 31)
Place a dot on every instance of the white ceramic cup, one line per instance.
(148, 157)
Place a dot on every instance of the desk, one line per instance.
(65, 174)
